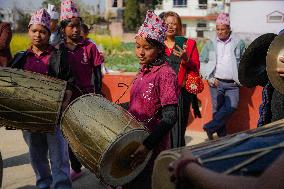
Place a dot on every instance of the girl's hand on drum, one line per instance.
(177, 168)
(138, 156)
(281, 70)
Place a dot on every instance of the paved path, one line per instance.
(18, 173)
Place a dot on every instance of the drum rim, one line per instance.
(103, 170)
(173, 155)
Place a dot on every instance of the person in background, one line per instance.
(219, 60)
(85, 30)
(183, 60)
(188, 169)
(153, 97)
(5, 40)
(84, 33)
(42, 58)
(55, 37)
(85, 62)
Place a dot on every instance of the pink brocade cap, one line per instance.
(153, 27)
(223, 19)
(68, 10)
(41, 17)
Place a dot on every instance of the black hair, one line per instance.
(85, 28)
(160, 46)
(64, 23)
(156, 44)
(162, 15)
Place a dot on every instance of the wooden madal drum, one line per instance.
(103, 136)
(246, 153)
(30, 101)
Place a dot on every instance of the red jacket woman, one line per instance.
(184, 59)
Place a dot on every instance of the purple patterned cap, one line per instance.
(68, 10)
(153, 27)
(41, 17)
(223, 19)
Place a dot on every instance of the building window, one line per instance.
(114, 3)
(275, 17)
(201, 27)
(202, 4)
(180, 3)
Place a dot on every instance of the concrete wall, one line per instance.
(251, 16)
(243, 119)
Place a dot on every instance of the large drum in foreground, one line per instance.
(246, 153)
(103, 136)
(30, 101)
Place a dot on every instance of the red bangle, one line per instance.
(183, 163)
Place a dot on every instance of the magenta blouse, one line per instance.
(82, 60)
(152, 89)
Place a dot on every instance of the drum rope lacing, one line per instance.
(258, 152)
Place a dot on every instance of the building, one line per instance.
(252, 18)
(198, 16)
(114, 9)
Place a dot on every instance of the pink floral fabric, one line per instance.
(153, 27)
(68, 10)
(223, 19)
(40, 17)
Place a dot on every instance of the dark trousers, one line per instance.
(75, 163)
(178, 131)
(225, 100)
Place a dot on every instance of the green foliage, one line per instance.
(20, 42)
(118, 55)
(109, 43)
(123, 59)
(90, 19)
(132, 15)
(150, 4)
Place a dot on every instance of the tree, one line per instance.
(132, 15)
(23, 22)
(150, 4)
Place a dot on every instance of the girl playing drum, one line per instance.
(153, 97)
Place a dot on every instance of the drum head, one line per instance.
(115, 163)
(161, 174)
